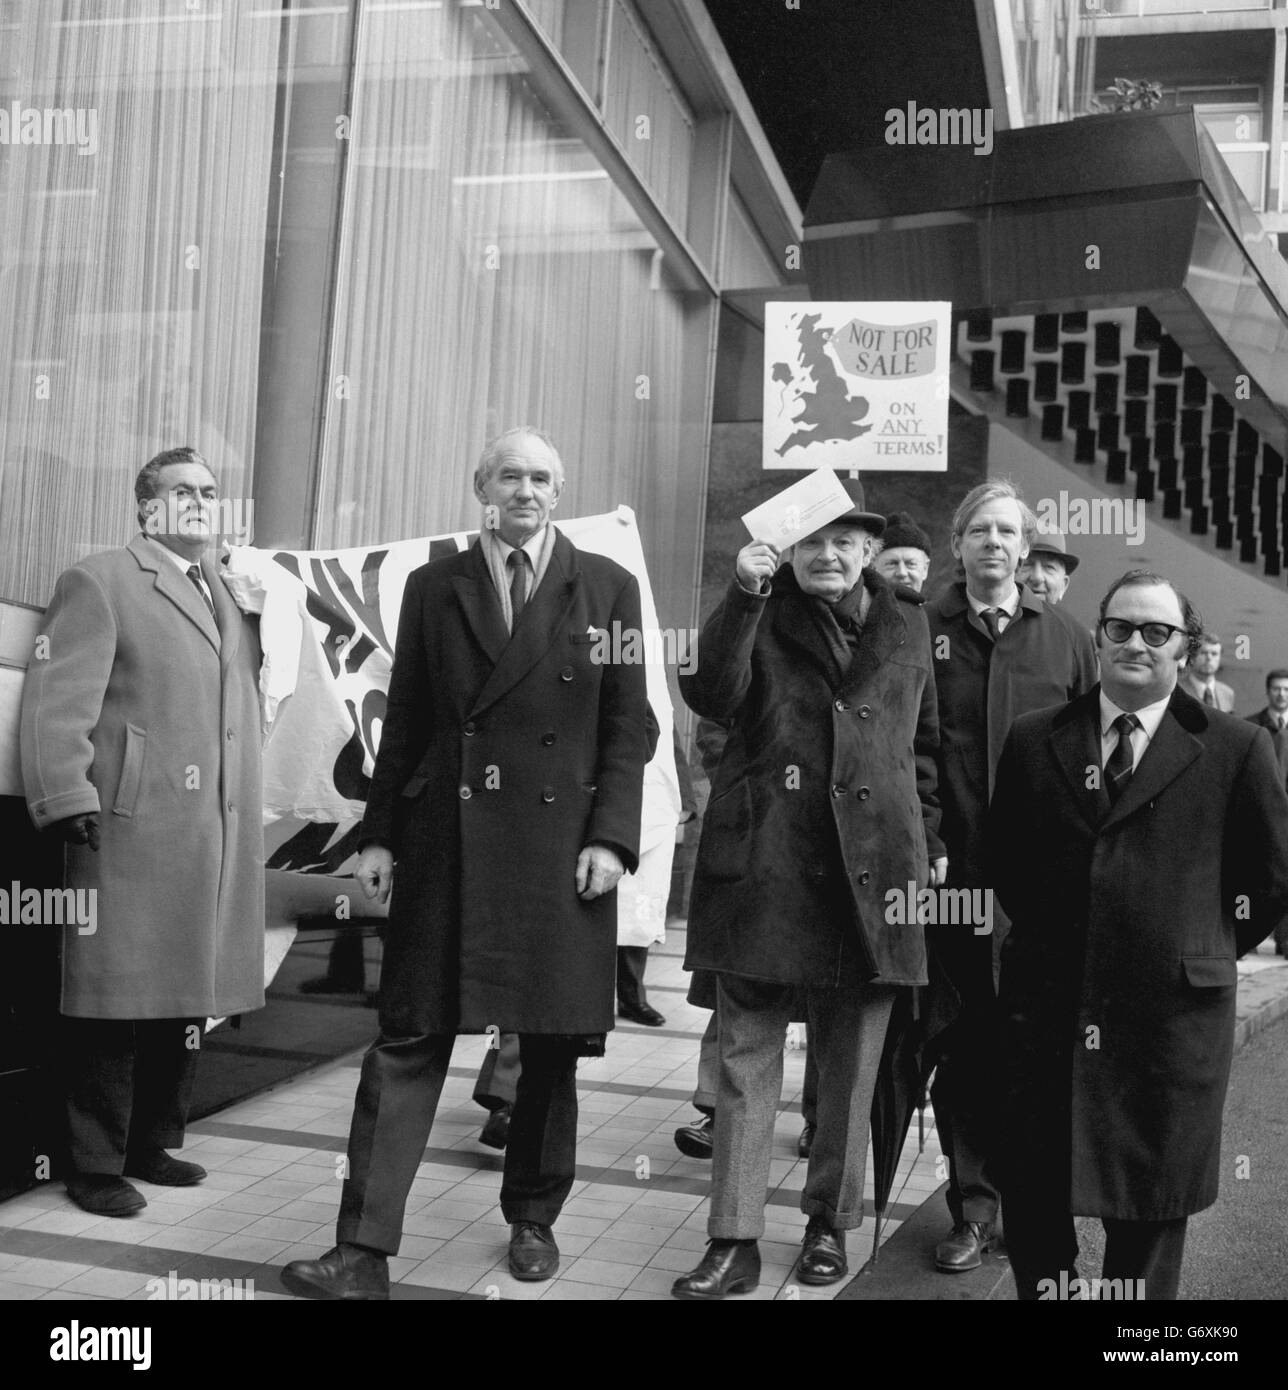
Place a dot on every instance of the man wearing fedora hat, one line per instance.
(823, 801)
(1048, 567)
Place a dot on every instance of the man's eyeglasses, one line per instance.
(1119, 630)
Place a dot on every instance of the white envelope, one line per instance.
(799, 510)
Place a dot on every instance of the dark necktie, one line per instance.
(1118, 768)
(518, 563)
(194, 573)
(989, 617)
(1208, 697)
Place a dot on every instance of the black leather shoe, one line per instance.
(806, 1142)
(640, 1013)
(496, 1129)
(729, 1266)
(696, 1141)
(822, 1254)
(349, 1272)
(966, 1247)
(533, 1252)
(155, 1165)
(104, 1194)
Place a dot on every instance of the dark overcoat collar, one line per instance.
(955, 604)
(885, 629)
(544, 615)
(1075, 744)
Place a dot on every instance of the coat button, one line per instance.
(465, 793)
(230, 735)
(548, 795)
(230, 805)
(547, 739)
(566, 674)
(468, 730)
(864, 711)
(864, 876)
(837, 789)
(840, 706)
(863, 793)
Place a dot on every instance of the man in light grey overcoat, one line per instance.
(141, 747)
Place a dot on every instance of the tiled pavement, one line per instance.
(636, 1217)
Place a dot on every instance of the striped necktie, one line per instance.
(1118, 769)
(194, 573)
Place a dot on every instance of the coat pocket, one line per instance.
(726, 834)
(127, 789)
(1210, 972)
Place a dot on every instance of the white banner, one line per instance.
(327, 625)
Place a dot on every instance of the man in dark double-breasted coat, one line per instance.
(822, 806)
(507, 791)
(1138, 841)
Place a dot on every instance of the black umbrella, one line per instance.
(919, 1018)
(899, 1090)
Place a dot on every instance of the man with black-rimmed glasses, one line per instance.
(1138, 841)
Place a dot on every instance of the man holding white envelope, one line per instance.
(823, 801)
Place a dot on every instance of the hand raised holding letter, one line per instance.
(756, 562)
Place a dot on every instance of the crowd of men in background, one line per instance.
(859, 739)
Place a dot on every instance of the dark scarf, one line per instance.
(841, 624)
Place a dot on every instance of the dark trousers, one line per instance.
(402, 1079)
(128, 1084)
(964, 1096)
(631, 963)
(1041, 1243)
(809, 1089)
(498, 1078)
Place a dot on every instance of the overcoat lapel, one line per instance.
(477, 597)
(227, 614)
(885, 630)
(172, 585)
(1172, 749)
(1076, 749)
(541, 626)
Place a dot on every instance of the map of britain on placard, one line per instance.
(856, 385)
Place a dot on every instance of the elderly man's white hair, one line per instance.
(496, 447)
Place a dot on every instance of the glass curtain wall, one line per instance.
(135, 146)
(337, 247)
(491, 274)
